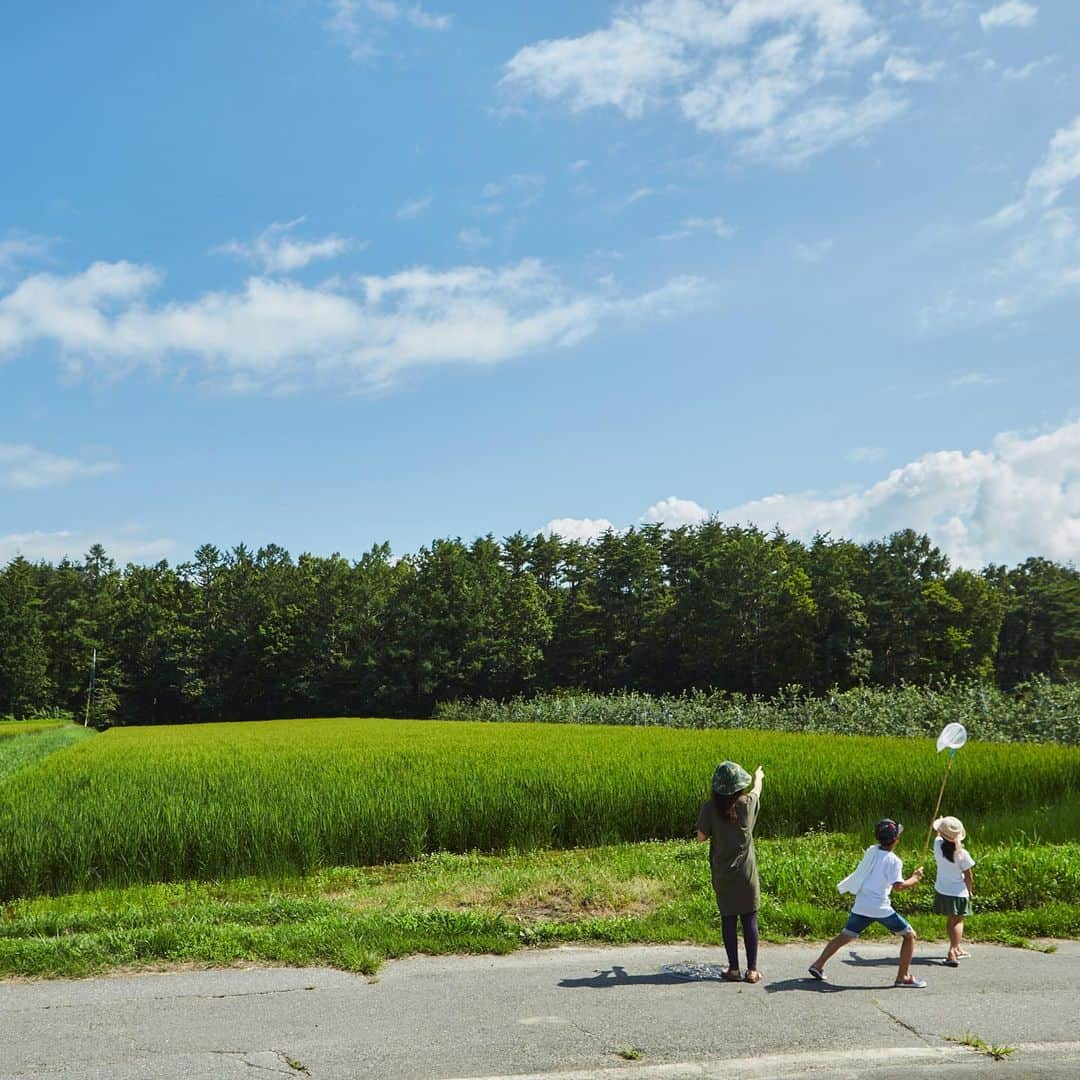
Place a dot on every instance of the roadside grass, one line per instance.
(34, 742)
(975, 1042)
(355, 917)
(279, 798)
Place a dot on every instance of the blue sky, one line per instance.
(332, 272)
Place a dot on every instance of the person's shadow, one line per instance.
(810, 986)
(853, 959)
(856, 959)
(617, 976)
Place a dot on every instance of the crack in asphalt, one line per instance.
(244, 1054)
(905, 1025)
(161, 997)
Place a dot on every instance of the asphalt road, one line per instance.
(571, 1012)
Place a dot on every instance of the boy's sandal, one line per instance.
(817, 973)
(910, 983)
(752, 976)
(731, 975)
(950, 962)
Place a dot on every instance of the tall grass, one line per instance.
(1038, 711)
(214, 801)
(10, 728)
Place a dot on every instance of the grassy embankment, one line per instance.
(24, 742)
(289, 801)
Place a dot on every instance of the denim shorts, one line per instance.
(895, 922)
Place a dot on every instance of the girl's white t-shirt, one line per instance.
(950, 875)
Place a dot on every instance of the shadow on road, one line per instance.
(811, 986)
(617, 976)
(856, 960)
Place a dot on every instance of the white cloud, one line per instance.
(276, 252)
(1019, 498)
(973, 378)
(583, 529)
(415, 208)
(1013, 13)
(354, 21)
(826, 124)
(674, 512)
(473, 239)
(1059, 167)
(813, 253)
(1034, 246)
(712, 226)
(776, 75)
(903, 68)
(864, 454)
(277, 333)
(1017, 74)
(24, 467)
(517, 192)
(17, 249)
(1036, 266)
(122, 545)
(636, 196)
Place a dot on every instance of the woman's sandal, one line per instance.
(752, 976)
(731, 975)
(910, 983)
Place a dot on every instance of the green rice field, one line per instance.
(214, 802)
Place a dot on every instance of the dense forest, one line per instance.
(250, 634)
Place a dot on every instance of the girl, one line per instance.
(952, 889)
(727, 821)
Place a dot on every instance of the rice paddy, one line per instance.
(210, 802)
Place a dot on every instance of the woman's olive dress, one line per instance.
(732, 857)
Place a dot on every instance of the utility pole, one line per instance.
(90, 691)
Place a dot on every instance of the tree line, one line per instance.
(243, 634)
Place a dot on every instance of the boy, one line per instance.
(877, 875)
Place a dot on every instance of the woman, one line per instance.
(727, 821)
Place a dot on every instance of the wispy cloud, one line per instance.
(1059, 167)
(414, 208)
(275, 333)
(1025, 71)
(25, 468)
(697, 226)
(779, 78)
(275, 251)
(973, 378)
(517, 192)
(906, 68)
(1013, 14)
(1033, 243)
(636, 196)
(356, 22)
(19, 248)
(814, 252)
(473, 239)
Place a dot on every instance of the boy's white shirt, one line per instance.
(853, 882)
(872, 882)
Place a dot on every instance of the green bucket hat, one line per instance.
(730, 779)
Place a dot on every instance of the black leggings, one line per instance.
(729, 924)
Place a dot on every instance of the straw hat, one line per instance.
(951, 828)
(730, 779)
